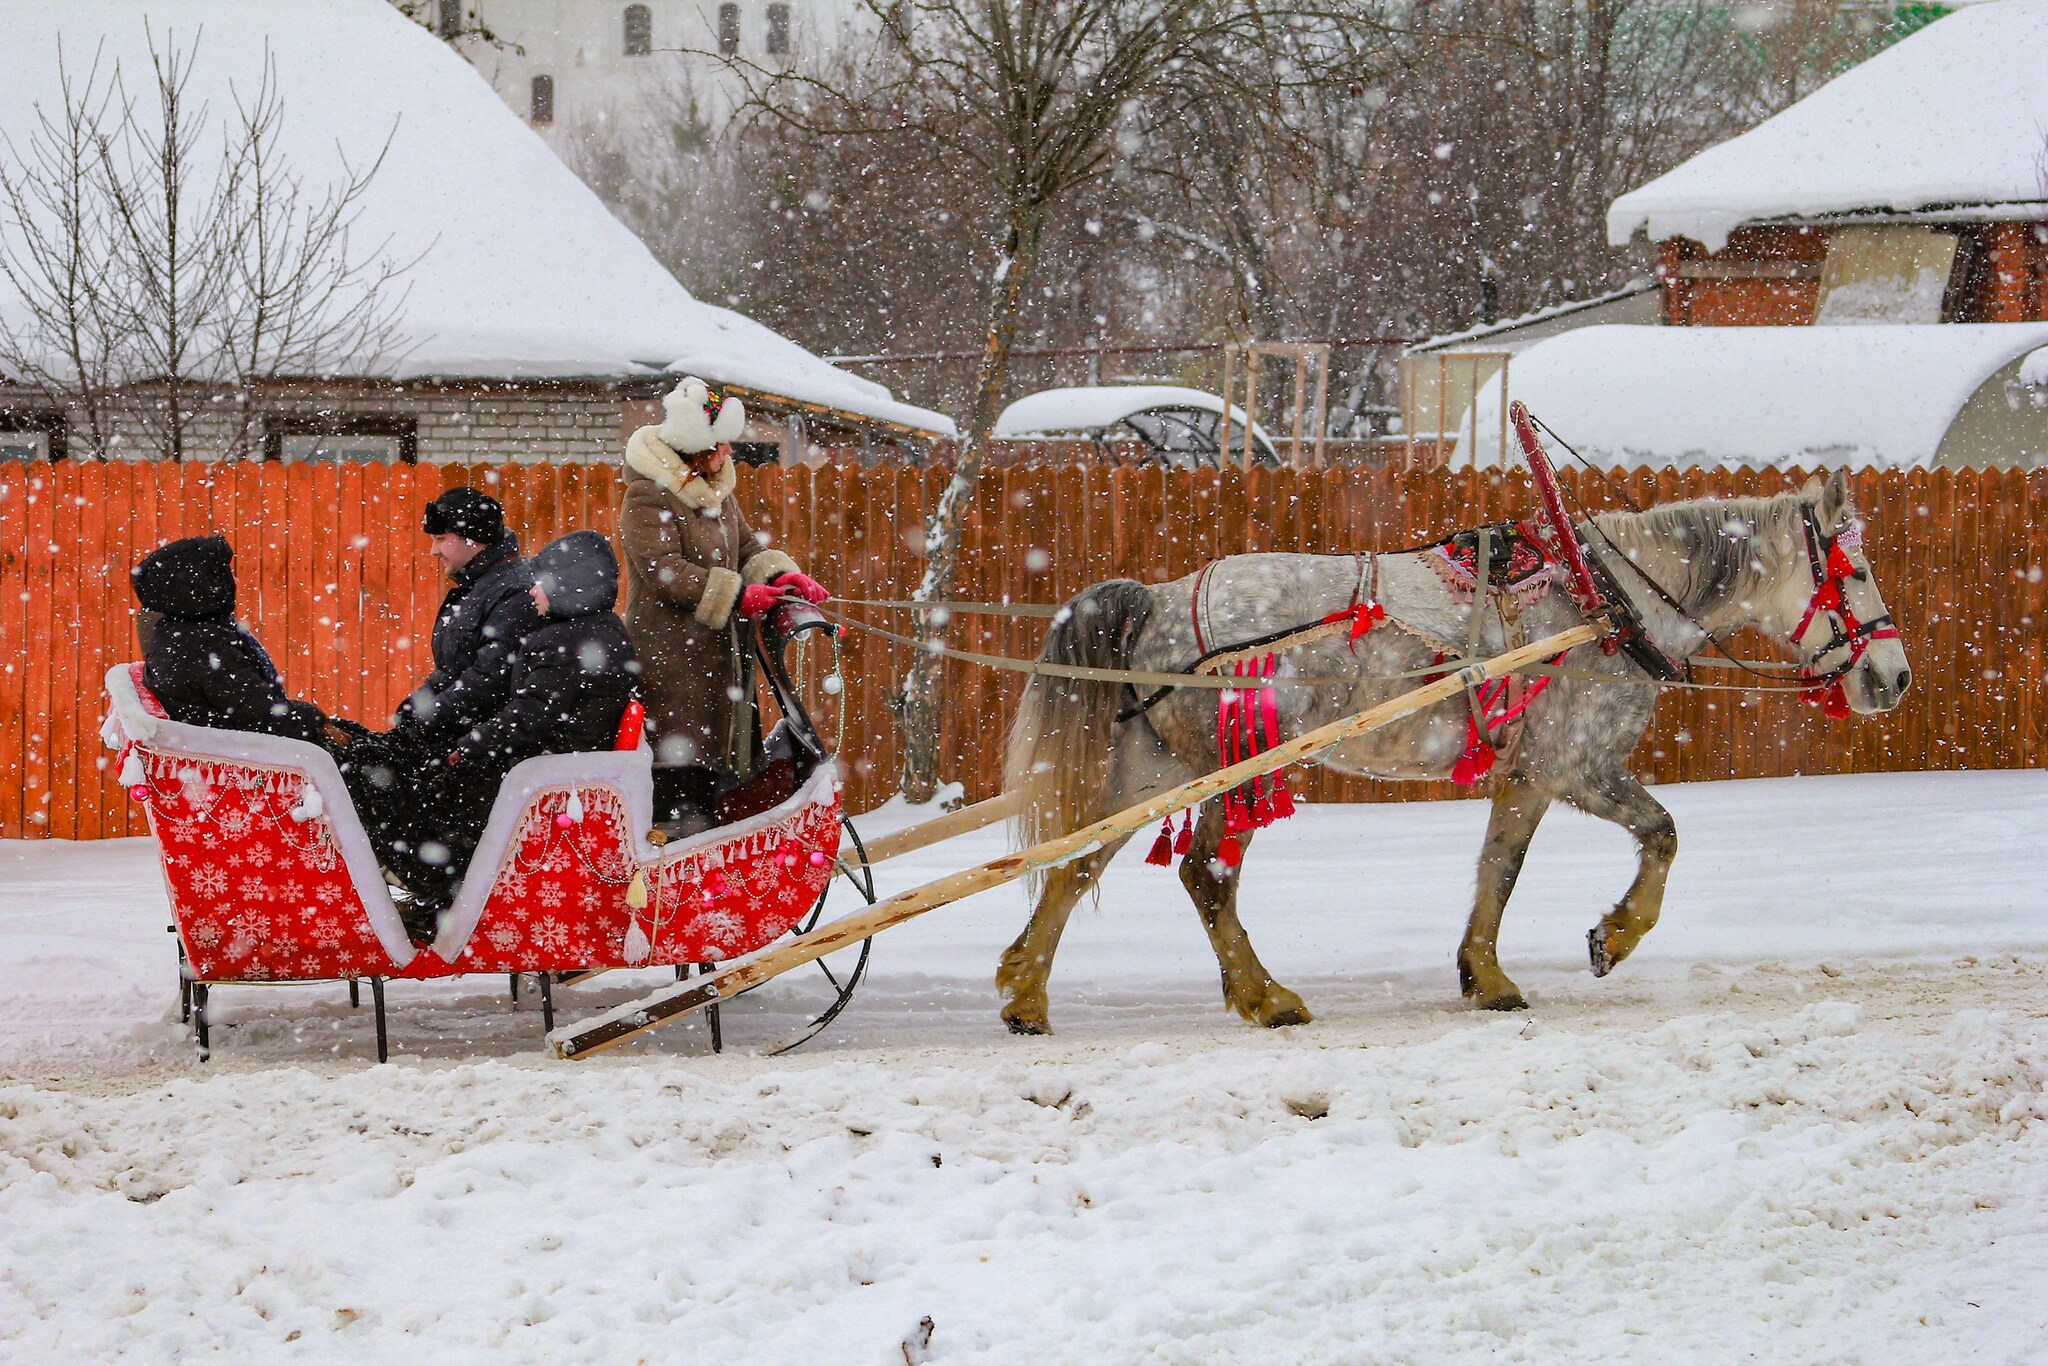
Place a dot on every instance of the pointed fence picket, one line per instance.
(336, 579)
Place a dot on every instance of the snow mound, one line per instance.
(1880, 394)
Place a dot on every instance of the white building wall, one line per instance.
(581, 46)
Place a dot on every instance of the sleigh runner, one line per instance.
(272, 878)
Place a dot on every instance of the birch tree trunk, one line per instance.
(922, 714)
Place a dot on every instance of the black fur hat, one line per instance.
(193, 578)
(466, 513)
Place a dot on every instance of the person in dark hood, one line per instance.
(486, 612)
(205, 667)
(571, 678)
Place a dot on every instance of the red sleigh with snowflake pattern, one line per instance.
(272, 878)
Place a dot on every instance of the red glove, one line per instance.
(804, 586)
(757, 600)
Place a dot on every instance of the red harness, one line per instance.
(1828, 556)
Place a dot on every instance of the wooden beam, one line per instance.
(615, 1026)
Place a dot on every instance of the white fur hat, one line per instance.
(698, 419)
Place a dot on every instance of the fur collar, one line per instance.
(647, 454)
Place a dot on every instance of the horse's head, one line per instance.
(1837, 619)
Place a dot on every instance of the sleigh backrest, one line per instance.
(264, 881)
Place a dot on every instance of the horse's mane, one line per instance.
(1707, 551)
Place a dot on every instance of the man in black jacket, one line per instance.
(570, 679)
(479, 625)
(203, 665)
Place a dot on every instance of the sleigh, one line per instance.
(272, 878)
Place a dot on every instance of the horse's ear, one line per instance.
(1833, 508)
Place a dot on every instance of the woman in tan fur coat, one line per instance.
(695, 572)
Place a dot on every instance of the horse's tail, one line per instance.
(1059, 755)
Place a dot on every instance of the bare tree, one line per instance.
(65, 342)
(1041, 97)
(298, 299)
(157, 271)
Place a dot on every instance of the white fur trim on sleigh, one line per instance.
(721, 595)
(130, 720)
(630, 774)
(766, 565)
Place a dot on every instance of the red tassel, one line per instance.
(1237, 817)
(1162, 848)
(1474, 764)
(1185, 840)
(1835, 706)
(1839, 566)
(1230, 851)
(1283, 801)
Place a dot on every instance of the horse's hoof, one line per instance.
(1511, 999)
(1596, 949)
(1018, 1024)
(1287, 1017)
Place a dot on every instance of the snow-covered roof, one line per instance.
(1505, 334)
(1952, 117)
(1091, 408)
(523, 272)
(2034, 371)
(1876, 395)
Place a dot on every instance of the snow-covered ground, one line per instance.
(1805, 1123)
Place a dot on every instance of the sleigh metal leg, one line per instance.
(199, 1028)
(711, 1014)
(184, 981)
(515, 989)
(377, 999)
(547, 1002)
(355, 994)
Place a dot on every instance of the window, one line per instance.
(639, 30)
(778, 28)
(330, 438)
(31, 434)
(728, 29)
(1890, 274)
(451, 18)
(543, 100)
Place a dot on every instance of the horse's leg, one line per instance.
(1616, 796)
(1027, 964)
(1248, 988)
(1518, 807)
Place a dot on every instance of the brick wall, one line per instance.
(1764, 277)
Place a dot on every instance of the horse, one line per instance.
(1791, 566)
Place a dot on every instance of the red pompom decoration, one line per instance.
(1839, 566)
(140, 792)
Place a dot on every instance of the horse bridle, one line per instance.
(1828, 557)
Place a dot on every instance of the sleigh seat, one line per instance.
(272, 877)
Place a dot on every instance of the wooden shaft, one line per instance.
(650, 1012)
(926, 833)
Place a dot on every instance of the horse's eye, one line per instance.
(1860, 575)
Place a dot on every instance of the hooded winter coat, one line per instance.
(688, 553)
(202, 664)
(480, 625)
(571, 678)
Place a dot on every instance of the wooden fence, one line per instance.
(336, 580)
